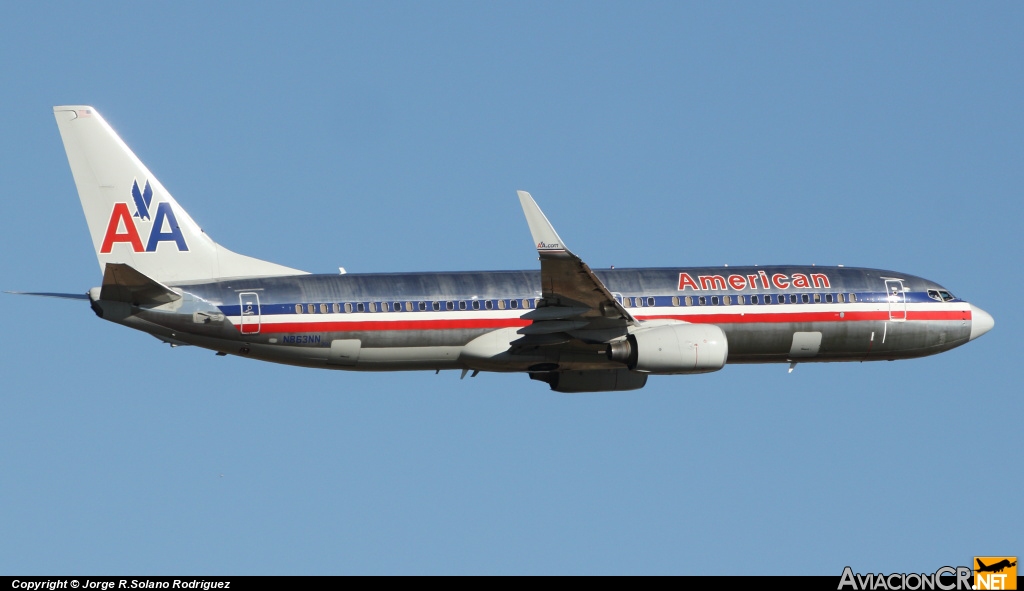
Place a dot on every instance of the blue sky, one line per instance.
(392, 137)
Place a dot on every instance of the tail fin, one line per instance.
(133, 219)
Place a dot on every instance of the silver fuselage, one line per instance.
(422, 321)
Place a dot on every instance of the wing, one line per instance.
(574, 304)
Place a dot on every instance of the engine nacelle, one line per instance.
(673, 348)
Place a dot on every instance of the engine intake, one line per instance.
(673, 349)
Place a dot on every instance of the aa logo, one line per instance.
(163, 227)
(995, 572)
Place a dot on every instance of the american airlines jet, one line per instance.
(575, 328)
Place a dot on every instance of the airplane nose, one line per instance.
(981, 322)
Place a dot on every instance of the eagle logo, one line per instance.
(142, 200)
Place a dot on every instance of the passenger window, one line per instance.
(727, 300)
(853, 297)
(828, 298)
(675, 300)
(408, 306)
(476, 304)
(311, 308)
(741, 300)
(501, 304)
(436, 305)
(372, 306)
(449, 305)
(688, 300)
(489, 305)
(754, 300)
(336, 308)
(462, 305)
(514, 304)
(714, 300)
(650, 301)
(323, 308)
(360, 307)
(792, 298)
(639, 302)
(840, 298)
(702, 300)
(526, 303)
(817, 298)
(298, 308)
(782, 298)
(348, 308)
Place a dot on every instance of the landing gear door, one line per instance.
(897, 299)
(250, 312)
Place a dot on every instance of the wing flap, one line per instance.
(552, 326)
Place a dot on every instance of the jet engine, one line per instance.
(673, 349)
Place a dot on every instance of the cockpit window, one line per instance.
(946, 296)
(940, 295)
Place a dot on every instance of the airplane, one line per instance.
(575, 328)
(995, 568)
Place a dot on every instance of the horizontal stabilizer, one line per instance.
(50, 294)
(122, 283)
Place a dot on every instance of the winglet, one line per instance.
(566, 281)
(544, 235)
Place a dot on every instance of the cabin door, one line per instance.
(897, 299)
(250, 313)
